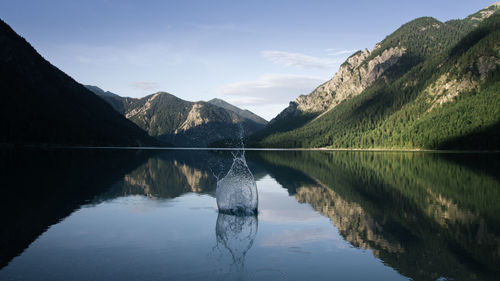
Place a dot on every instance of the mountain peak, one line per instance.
(485, 13)
(495, 5)
(217, 100)
(241, 112)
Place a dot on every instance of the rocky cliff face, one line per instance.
(354, 75)
(448, 86)
(194, 119)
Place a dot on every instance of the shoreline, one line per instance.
(48, 147)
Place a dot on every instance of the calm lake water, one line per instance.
(323, 215)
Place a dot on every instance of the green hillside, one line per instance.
(436, 98)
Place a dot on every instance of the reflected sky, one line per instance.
(136, 237)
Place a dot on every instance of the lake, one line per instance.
(125, 214)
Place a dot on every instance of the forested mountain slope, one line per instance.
(438, 88)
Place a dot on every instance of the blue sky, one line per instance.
(258, 55)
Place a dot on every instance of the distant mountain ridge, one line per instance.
(184, 123)
(243, 113)
(429, 84)
(43, 105)
(100, 92)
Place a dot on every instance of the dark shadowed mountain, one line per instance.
(43, 105)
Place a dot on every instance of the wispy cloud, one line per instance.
(139, 55)
(300, 60)
(145, 86)
(341, 52)
(271, 87)
(269, 94)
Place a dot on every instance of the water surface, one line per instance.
(323, 215)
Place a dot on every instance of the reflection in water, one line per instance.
(236, 234)
(168, 175)
(355, 224)
(425, 215)
(164, 177)
(173, 173)
(237, 192)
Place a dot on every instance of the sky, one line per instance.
(257, 55)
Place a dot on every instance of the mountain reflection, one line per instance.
(173, 173)
(428, 216)
(164, 177)
(355, 224)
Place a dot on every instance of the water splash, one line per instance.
(236, 193)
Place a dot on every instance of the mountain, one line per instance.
(100, 92)
(43, 105)
(184, 123)
(240, 112)
(427, 85)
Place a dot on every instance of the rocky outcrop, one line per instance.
(143, 109)
(485, 65)
(486, 12)
(354, 76)
(193, 119)
(445, 89)
(346, 81)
